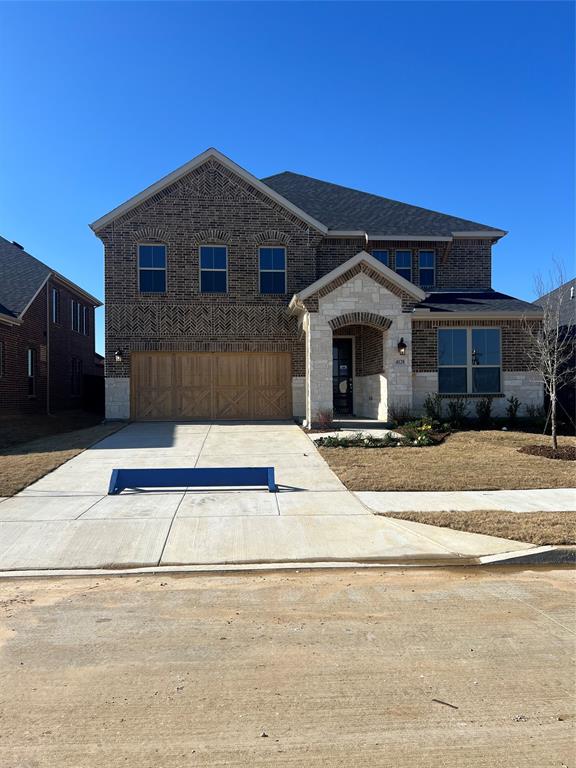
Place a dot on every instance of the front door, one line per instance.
(342, 376)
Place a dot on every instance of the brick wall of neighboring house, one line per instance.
(15, 341)
(425, 342)
(71, 351)
(64, 347)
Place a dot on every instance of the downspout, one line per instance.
(48, 348)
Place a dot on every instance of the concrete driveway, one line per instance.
(66, 521)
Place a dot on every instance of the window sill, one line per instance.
(469, 395)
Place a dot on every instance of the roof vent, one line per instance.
(17, 245)
(572, 292)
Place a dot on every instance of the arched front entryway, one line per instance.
(358, 382)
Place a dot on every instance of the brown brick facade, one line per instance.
(57, 343)
(213, 205)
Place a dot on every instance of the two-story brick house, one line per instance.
(230, 297)
(46, 335)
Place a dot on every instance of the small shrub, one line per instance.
(433, 407)
(457, 411)
(512, 409)
(484, 410)
(324, 420)
(399, 414)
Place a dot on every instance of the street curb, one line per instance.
(540, 556)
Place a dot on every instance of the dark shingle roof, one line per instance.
(567, 306)
(342, 208)
(475, 301)
(21, 276)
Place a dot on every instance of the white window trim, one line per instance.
(433, 268)
(469, 365)
(155, 269)
(285, 270)
(211, 269)
(404, 250)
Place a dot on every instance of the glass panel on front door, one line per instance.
(342, 376)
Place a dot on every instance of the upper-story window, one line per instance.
(427, 263)
(152, 268)
(55, 305)
(381, 256)
(76, 315)
(79, 317)
(404, 264)
(469, 360)
(213, 269)
(272, 270)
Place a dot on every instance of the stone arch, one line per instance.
(360, 318)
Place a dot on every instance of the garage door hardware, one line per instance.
(192, 478)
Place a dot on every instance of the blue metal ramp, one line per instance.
(211, 477)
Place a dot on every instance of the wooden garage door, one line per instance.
(211, 385)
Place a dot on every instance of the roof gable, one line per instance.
(183, 170)
(346, 209)
(348, 269)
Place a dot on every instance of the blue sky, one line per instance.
(463, 107)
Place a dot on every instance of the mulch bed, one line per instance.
(563, 452)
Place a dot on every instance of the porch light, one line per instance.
(118, 355)
(402, 346)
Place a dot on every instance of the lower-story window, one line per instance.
(469, 360)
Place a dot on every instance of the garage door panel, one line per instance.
(232, 403)
(226, 385)
(153, 395)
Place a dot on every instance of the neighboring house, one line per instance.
(230, 297)
(563, 301)
(46, 335)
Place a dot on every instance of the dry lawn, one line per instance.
(534, 527)
(466, 461)
(24, 463)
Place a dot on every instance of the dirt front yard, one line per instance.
(23, 459)
(348, 669)
(466, 461)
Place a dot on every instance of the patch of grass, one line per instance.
(15, 430)
(24, 463)
(533, 527)
(479, 460)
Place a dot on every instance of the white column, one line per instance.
(318, 367)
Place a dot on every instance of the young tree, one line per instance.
(551, 341)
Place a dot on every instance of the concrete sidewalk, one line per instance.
(541, 500)
(66, 521)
